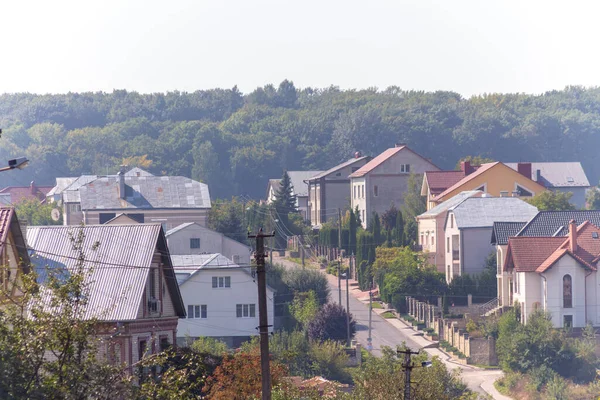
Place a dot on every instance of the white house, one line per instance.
(221, 299)
(193, 238)
(557, 274)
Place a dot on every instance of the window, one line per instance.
(221, 281)
(197, 311)
(375, 191)
(522, 192)
(105, 217)
(363, 216)
(405, 168)
(451, 220)
(354, 194)
(482, 188)
(422, 241)
(447, 245)
(363, 191)
(194, 243)
(432, 240)
(164, 343)
(427, 239)
(567, 321)
(73, 208)
(567, 292)
(245, 310)
(504, 193)
(139, 218)
(152, 283)
(354, 169)
(338, 174)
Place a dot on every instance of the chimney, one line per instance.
(524, 168)
(538, 177)
(358, 154)
(121, 176)
(400, 144)
(572, 236)
(466, 168)
(32, 188)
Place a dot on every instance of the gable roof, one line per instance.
(10, 223)
(118, 258)
(61, 184)
(183, 226)
(501, 231)
(147, 192)
(556, 223)
(121, 219)
(481, 170)
(558, 174)
(480, 212)
(439, 181)
(179, 227)
(450, 203)
(32, 192)
(137, 171)
(526, 254)
(381, 158)
(339, 167)
(297, 179)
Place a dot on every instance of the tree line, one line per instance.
(235, 141)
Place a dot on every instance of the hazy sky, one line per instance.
(470, 47)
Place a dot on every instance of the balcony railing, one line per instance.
(455, 255)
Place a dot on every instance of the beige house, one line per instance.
(431, 229)
(384, 180)
(143, 197)
(298, 180)
(133, 290)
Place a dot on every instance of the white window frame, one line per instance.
(197, 311)
(194, 247)
(245, 310)
(221, 282)
(524, 187)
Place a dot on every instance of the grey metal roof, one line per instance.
(71, 192)
(118, 258)
(556, 223)
(504, 230)
(451, 202)
(478, 212)
(61, 184)
(146, 192)
(136, 171)
(558, 174)
(338, 167)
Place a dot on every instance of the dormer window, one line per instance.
(522, 192)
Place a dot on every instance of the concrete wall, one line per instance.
(358, 198)
(210, 242)
(433, 243)
(476, 248)
(169, 218)
(578, 198)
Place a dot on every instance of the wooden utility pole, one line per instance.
(340, 255)
(407, 366)
(369, 340)
(263, 320)
(347, 311)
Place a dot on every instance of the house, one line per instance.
(132, 287)
(328, 191)
(168, 200)
(11, 195)
(436, 182)
(384, 180)
(468, 227)
(13, 250)
(299, 189)
(221, 298)
(557, 274)
(560, 176)
(501, 232)
(192, 238)
(431, 229)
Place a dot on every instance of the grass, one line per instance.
(388, 314)
(377, 305)
(295, 260)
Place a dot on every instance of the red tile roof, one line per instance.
(482, 169)
(438, 181)
(526, 254)
(381, 158)
(18, 193)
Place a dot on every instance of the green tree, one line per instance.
(375, 229)
(550, 200)
(330, 324)
(474, 160)
(227, 217)
(285, 199)
(592, 198)
(35, 213)
(304, 307)
(414, 204)
(209, 345)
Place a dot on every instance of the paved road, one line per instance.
(385, 333)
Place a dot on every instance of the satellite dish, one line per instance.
(55, 214)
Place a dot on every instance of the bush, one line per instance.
(330, 324)
(557, 389)
(540, 376)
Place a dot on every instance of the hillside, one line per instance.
(235, 142)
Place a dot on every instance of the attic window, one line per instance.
(338, 174)
(570, 179)
(595, 235)
(522, 192)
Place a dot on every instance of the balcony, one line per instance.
(455, 255)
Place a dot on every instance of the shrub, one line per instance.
(330, 323)
(557, 389)
(540, 376)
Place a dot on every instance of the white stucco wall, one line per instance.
(221, 303)
(476, 247)
(360, 199)
(554, 293)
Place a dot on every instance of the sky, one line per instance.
(467, 46)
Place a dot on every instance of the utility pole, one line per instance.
(340, 255)
(347, 311)
(259, 256)
(407, 367)
(369, 340)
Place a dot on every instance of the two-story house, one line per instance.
(557, 274)
(384, 180)
(145, 198)
(131, 286)
(501, 232)
(192, 238)
(299, 189)
(328, 191)
(468, 228)
(430, 229)
(221, 298)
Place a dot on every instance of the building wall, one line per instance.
(314, 200)
(169, 218)
(554, 293)
(451, 232)
(503, 278)
(578, 198)
(221, 303)
(210, 242)
(358, 193)
(498, 178)
(475, 248)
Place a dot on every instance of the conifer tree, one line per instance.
(285, 199)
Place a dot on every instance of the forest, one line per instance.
(234, 142)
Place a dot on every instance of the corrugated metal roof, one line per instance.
(10, 223)
(556, 223)
(338, 167)
(558, 174)
(146, 192)
(178, 228)
(118, 258)
(478, 212)
(452, 202)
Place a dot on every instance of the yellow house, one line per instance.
(497, 179)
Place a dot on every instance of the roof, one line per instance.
(556, 223)
(188, 224)
(19, 193)
(10, 223)
(558, 174)
(450, 203)
(178, 228)
(338, 167)
(71, 192)
(146, 192)
(118, 259)
(479, 212)
(297, 179)
(482, 169)
(381, 158)
(526, 254)
(61, 184)
(438, 181)
(501, 231)
(136, 171)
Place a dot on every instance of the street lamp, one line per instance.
(19, 163)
